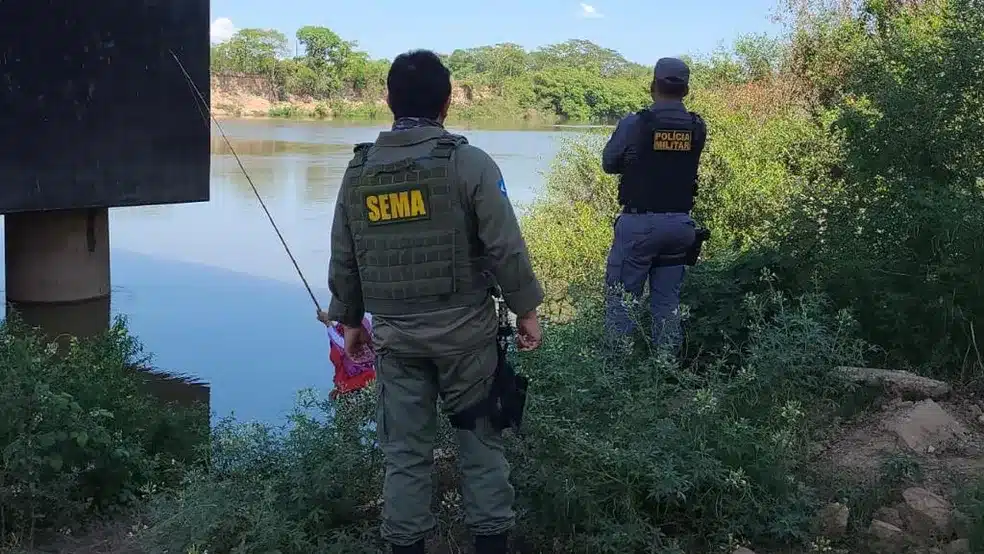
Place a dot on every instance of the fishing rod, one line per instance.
(206, 113)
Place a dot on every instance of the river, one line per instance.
(207, 287)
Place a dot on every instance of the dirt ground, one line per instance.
(911, 458)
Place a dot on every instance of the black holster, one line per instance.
(507, 400)
(690, 256)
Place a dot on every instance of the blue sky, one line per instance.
(641, 30)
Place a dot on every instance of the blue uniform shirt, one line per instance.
(620, 148)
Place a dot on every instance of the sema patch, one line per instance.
(672, 141)
(397, 206)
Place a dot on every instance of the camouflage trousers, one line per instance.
(407, 426)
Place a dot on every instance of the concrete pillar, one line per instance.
(58, 274)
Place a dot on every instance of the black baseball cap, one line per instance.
(672, 71)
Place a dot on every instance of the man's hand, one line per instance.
(323, 318)
(356, 339)
(528, 334)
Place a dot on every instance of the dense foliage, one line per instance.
(637, 455)
(80, 434)
(575, 80)
(845, 161)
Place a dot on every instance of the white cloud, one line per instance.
(221, 30)
(589, 11)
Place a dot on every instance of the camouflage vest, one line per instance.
(411, 233)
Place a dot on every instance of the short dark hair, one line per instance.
(671, 90)
(418, 85)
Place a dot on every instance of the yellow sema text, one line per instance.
(391, 206)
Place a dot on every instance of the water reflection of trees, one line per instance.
(262, 172)
(321, 182)
(272, 163)
(265, 147)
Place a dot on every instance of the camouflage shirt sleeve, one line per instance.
(347, 304)
(498, 230)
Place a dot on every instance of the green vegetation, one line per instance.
(860, 180)
(843, 183)
(841, 173)
(80, 436)
(575, 80)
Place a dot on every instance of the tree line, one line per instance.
(574, 80)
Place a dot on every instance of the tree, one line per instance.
(367, 77)
(492, 65)
(251, 51)
(584, 54)
(324, 49)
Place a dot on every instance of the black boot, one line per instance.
(415, 548)
(492, 544)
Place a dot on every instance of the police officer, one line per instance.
(422, 219)
(657, 152)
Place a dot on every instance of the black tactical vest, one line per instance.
(663, 175)
(411, 233)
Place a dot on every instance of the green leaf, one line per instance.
(47, 440)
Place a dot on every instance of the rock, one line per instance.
(926, 425)
(832, 520)
(903, 383)
(976, 412)
(961, 546)
(890, 515)
(926, 514)
(886, 537)
(743, 550)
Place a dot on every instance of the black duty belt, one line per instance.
(628, 210)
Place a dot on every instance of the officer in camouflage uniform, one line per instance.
(657, 153)
(421, 221)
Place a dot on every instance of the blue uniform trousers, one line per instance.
(639, 240)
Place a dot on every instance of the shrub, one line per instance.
(971, 505)
(286, 111)
(568, 229)
(901, 239)
(80, 437)
(310, 486)
(642, 454)
(866, 184)
(613, 457)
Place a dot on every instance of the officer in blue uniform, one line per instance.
(656, 152)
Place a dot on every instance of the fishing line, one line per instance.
(206, 113)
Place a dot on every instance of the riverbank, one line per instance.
(765, 445)
(251, 96)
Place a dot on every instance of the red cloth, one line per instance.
(351, 374)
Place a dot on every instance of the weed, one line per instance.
(80, 436)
